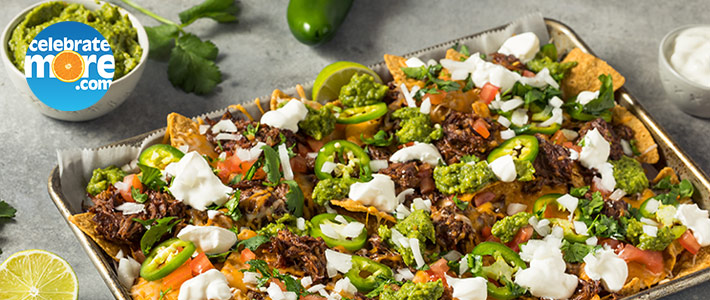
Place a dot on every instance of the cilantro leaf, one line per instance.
(151, 178)
(271, 165)
(222, 11)
(294, 198)
(380, 139)
(145, 223)
(382, 283)
(137, 196)
(605, 101)
(6, 211)
(462, 205)
(156, 232)
(579, 192)
(162, 39)
(233, 206)
(253, 243)
(191, 66)
(575, 252)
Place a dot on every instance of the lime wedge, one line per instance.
(334, 76)
(37, 274)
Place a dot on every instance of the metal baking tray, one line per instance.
(565, 39)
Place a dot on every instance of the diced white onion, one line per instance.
(426, 106)
(652, 205)
(519, 117)
(570, 135)
(329, 231)
(129, 208)
(328, 167)
(228, 137)
(403, 274)
(648, 221)
(403, 195)
(592, 241)
(414, 62)
(301, 224)
(556, 102)
(203, 129)
(316, 288)
(285, 162)
(378, 164)
(312, 154)
(402, 211)
(626, 147)
(504, 121)
(353, 229)
(336, 261)
(514, 208)
(414, 244)
(580, 228)
(507, 134)
(251, 277)
(650, 230)
(224, 126)
(617, 194)
(453, 255)
(306, 281)
(511, 104)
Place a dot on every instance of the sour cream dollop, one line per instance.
(419, 151)
(286, 117)
(208, 285)
(195, 184)
(691, 54)
(378, 192)
(210, 239)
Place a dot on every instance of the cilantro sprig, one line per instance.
(6, 212)
(191, 61)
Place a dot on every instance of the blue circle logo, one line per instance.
(69, 66)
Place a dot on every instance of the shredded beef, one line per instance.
(614, 208)
(265, 134)
(412, 174)
(379, 152)
(552, 165)
(303, 253)
(461, 139)
(121, 229)
(606, 131)
(261, 204)
(254, 295)
(448, 293)
(624, 132)
(586, 289)
(510, 62)
(393, 93)
(376, 249)
(453, 229)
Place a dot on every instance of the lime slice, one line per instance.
(334, 76)
(37, 274)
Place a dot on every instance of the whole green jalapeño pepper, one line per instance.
(348, 156)
(351, 244)
(365, 272)
(506, 256)
(522, 147)
(159, 156)
(313, 22)
(361, 114)
(166, 258)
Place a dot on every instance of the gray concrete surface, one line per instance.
(259, 54)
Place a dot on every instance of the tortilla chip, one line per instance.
(687, 264)
(452, 54)
(585, 76)
(85, 222)
(277, 97)
(182, 131)
(633, 286)
(395, 65)
(644, 141)
(665, 172)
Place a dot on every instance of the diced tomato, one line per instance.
(311, 297)
(527, 73)
(484, 197)
(175, 279)
(653, 260)
(314, 144)
(436, 98)
(481, 127)
(232, 165)
(130, 181)
(298, 164)
(558, 138)
(200, 264)
(613, 244)
(523, 235)
(488, 92)
(247, 255)
(486, 232)
(572, 146)
(688, 241)
(440, 266)
(420, 277)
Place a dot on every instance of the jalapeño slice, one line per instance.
(522, 147)
(361, 114)
(365, 273)
(166, 258)
(159, 156)
(346, 154)
(351, 244)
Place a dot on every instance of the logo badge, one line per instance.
(69, 66)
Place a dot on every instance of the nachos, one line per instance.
(478, 176)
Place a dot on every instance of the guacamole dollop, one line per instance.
(417, 225)
(117, 29)
(416, 126)
(414, 291)
(463, 177)
(318, 122)
(629, 175)
(508, 227)
(636, 236)
(287, 222)
(362, 90)
(102, 178)
(332, 189)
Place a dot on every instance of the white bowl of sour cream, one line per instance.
(684, 67)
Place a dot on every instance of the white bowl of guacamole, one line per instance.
(124, 32)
